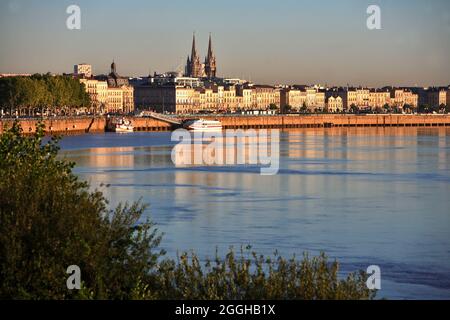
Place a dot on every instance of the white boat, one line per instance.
(123, 126)
(203, 125)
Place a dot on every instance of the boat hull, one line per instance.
(123, 130)
(218, 128)
(201, 125)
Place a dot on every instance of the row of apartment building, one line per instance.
(182, 95)
(343, 99)
(175, 98)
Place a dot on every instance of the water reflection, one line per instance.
(364, 195)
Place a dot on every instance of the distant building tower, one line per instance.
(83, 70)
(113, 67)
(194, 67)
(188, 67)
(210, 61)
(114, 79)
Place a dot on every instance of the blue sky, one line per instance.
(286, 41)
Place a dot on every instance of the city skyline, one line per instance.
(288, 43)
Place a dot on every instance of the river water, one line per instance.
(365, 196)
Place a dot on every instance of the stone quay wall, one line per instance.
(82, 125)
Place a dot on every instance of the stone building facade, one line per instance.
(213, 98)
(334, 104)
(111, 93)
(436, 97)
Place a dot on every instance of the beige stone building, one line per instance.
(352, 98)
(314, 99)
(98, 92)
(114, 102)
(403, 97)
(292, 97)
(335, 104)
(228, 99)
(358, 97)
(379, 98)
(128, 99)
(245, 97)
(263, 96)
(436, 97)
(109, 99)
(362, 98)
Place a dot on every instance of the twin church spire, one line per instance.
(196, 69)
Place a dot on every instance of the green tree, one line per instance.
(407, 108)
(378, 110)
(354, 109)
(40, 92)
(273, 106)
(304, 108)
(287, 109)
(50, 220)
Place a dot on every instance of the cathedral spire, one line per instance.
(194, 49)
(194, 67)
(210, 50)
(210, 53)
(210, 61)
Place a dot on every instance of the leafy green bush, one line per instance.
(249, 276)
(50, 220)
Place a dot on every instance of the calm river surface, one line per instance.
(377, 196)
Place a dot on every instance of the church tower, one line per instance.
(194, 68)
(113, 67)
(210, 61)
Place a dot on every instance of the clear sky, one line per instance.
(278, 41)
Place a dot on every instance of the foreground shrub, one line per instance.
(50, 220)
(249, 276)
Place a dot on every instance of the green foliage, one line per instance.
(39, 91)
(50, 220)
(251, 276)
(287, 109)
(304, 109)
(354, 109)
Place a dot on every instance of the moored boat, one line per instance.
(122, 126)
(203, 125)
